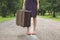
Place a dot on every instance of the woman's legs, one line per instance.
(27, 29)
(34, 23)
(34, 30)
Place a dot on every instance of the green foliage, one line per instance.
(52, 18)
(3, 19)
(52, 6)
(8, 7)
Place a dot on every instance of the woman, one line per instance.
(33, 6)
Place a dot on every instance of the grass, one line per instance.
(52, 18)
(5, 19)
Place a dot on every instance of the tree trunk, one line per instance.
(54, 14)
(14, 14)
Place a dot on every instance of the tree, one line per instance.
(3, 8)
(14, 5)
(9, 7)
(52, 6)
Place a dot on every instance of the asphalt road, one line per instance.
(46, 30)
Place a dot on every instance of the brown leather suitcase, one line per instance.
(23, 18)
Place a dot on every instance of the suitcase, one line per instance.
(23, 18)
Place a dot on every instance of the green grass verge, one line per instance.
(49, 17)
(5, 19)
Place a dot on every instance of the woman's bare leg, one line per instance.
(27, 29)
(28, 32)
(34, 23)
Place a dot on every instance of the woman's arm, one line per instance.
(24, 4)
(37, 4)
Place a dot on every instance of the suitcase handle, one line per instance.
(25, 10)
